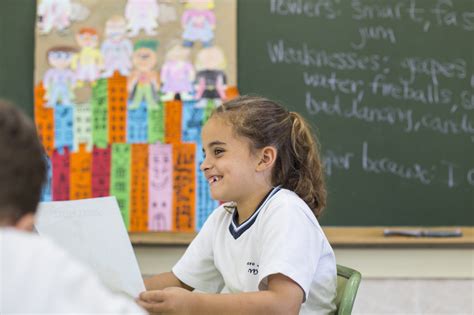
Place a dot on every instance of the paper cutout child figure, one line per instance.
(143, 82)
(177, 74)
(54, 14)
(198, 22)
(59, 81)
(210, 79)
(142, 14)
(89, 61)
(117, 49)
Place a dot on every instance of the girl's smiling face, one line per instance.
(229, 165)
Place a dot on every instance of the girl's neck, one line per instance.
(245, 208)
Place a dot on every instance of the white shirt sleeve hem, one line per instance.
(193, 282)
(286, 271)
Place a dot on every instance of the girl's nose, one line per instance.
(205, 165)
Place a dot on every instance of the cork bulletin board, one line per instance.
(122, 89)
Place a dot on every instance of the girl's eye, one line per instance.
(218, 151)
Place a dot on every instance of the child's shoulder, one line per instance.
(28, 243)
(288, 197)
(220, 217)
(287, 203)
(224, 210)
(22, 247)
(13, 235)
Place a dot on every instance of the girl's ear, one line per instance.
(268, 157)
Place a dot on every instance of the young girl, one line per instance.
(263, 249)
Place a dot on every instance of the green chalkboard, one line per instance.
(388, 87)
(17, 23)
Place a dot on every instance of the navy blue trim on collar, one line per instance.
(235, 229)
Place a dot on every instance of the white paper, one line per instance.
(92, 230)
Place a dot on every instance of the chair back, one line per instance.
(348, 281)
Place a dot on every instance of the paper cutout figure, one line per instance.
(89, 61)
(156, 124)
(46, 192)
(60, 186)
(160, 165)
(184, 186)
(101, 171)
(117, 49)
(63, 127)
(139, 188)
(120, 178)
(173, 114)
(143, 82)
(79, 12)
(117, 108)
(44, 120)
(211, 79)
(59, 81)
(99, 114)
(177, 74)
(80, 174)
(82, 126)
(231, 92)
(142, 14)
(137, 129)
(198, 22)
(192, 121)
(54, 14)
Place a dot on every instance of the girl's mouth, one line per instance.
(214, 179)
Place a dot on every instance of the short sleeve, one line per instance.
(290, 244)
(196, 267)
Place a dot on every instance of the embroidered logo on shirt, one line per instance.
(252, 268)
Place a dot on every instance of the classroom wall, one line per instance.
(373, 263)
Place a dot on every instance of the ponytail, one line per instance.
(307, 180)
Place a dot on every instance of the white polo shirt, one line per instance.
(282, 236)
(38, 277)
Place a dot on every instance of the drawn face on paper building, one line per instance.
(162, 169)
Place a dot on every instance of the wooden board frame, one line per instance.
(338, 237)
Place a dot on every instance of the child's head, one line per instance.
(210, 58)
(22, 166)
(60, 56)
(116, 27)
(265, 123)
(144, 55)
(87, 37)
(178, 53)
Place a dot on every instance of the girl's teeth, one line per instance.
(213, 179)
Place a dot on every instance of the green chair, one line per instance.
(348, 281)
